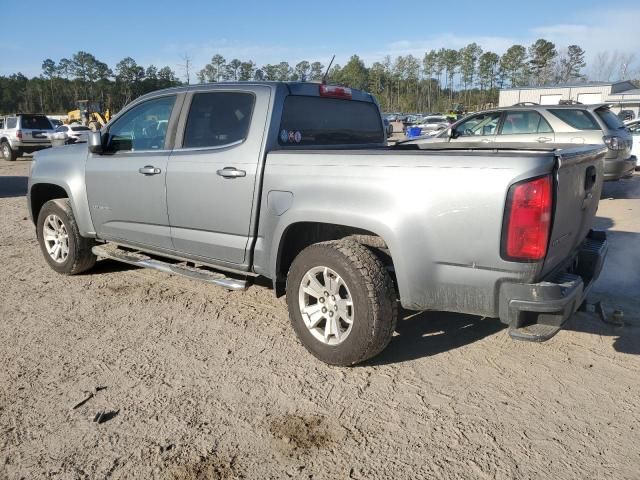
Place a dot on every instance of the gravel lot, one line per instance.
(209, 384)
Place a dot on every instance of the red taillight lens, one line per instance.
(19, 134)
(335, 91)
(528, 220)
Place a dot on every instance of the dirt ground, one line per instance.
(200, 383)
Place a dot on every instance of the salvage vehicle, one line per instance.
(530, 122)
(294, 182)
(22, 133)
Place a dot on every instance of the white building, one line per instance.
(622, 95)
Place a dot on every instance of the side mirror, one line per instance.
(453, 133)
(95, 142)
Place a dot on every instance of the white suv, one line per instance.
(23, 133)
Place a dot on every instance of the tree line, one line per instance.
(467, 78)
(81, 77)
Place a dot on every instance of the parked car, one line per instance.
(634, 128)
(299, 186)
(433, 124)
(579, 124)
(22, 133)
(75, 133)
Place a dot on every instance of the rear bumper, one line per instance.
(551, 302)
(29, 147)
(617, 169)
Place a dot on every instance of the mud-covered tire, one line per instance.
(80, 258)
(374, 298)
(8, 153)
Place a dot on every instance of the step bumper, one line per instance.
(536, 312)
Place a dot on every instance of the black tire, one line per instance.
(80, 257)
(8, 153)
(373, 295)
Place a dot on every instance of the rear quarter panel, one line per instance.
(440, 213)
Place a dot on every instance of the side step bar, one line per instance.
(140, 260)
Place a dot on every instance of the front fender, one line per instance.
(65, 167)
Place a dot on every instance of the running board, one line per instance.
(140, 260)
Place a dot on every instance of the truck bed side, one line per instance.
(440, 213)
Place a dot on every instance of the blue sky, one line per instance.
(160, 31)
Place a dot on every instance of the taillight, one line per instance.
(19, 134)
(335, 91)
(527, 221)
(614, 143)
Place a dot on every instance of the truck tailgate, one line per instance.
(578, 178)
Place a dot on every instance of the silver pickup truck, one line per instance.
(295, 182)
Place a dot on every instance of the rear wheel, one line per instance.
(62, 246)
(8, 153)
(342, 302)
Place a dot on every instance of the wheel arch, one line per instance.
(299, 235)
(41, 193)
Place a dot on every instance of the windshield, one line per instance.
(610, 119)
(35, 122)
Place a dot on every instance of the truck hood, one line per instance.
(75, 151)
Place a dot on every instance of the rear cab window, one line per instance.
(311, 121)
(12, 122)
(575, 118)
(35, 122)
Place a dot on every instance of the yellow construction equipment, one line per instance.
(89, 114)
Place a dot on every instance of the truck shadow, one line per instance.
(429, 333)
(13, 187)
(628, 336)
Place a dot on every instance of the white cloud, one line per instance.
(612, 30)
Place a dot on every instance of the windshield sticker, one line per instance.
(297, 136)
(284, 136)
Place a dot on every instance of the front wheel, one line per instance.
(62, 246)
(342, 302)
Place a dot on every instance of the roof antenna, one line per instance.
(324, 79)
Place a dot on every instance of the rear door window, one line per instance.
(35, 122)
(218, 118)
(524, 122)
(578, 119)
(310, 120)
(12, 122)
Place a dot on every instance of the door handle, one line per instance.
(231, 172)
(544, 139)
(149, 170)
